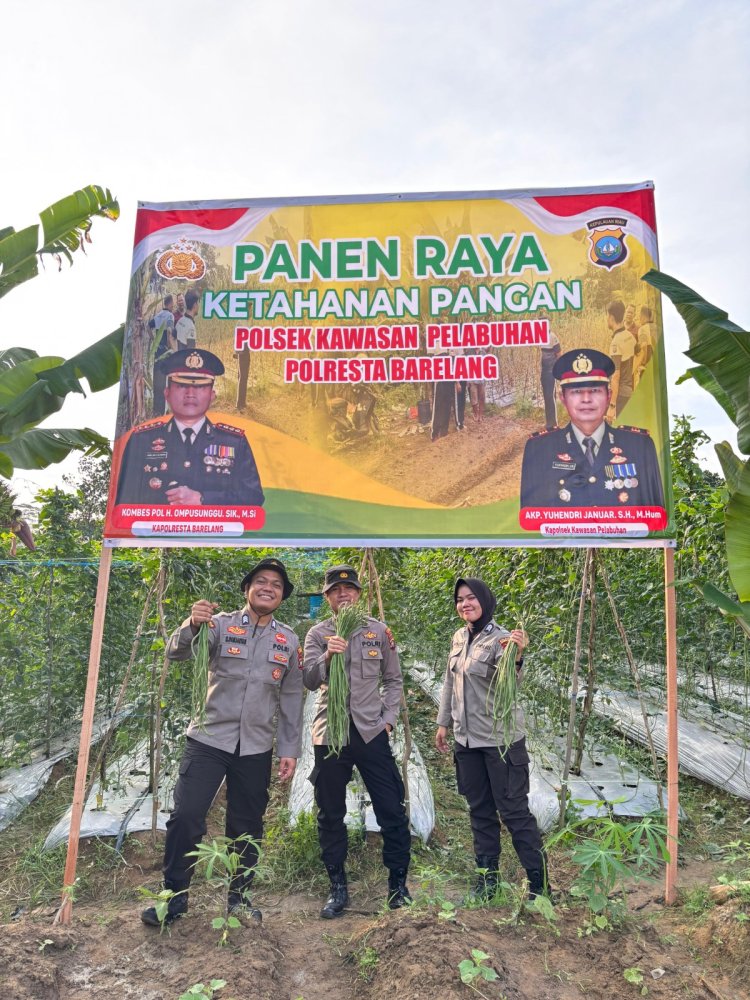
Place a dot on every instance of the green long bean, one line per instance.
(346, 622)
(502, 695)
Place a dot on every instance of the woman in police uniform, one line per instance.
(494, 780)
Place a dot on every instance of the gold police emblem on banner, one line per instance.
(181, 260)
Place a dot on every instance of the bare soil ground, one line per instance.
(108, 952)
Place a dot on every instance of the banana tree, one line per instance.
(721, 350)
(33, 387)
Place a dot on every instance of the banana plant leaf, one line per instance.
(67, 222)
(732, 609)
(717, 344)
(65, 228)
(737, 533)
(10, 357)
(706, 381)
(36, 449)
(731, 465)
(99, 364)
(34, 388)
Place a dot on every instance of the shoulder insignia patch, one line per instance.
(300, 657)
(232, 430)
(150, 426)
(391, 640)
(538, 434)
(637, 430)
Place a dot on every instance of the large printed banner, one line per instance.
(441, 369)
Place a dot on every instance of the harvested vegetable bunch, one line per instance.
(200, 648)
(346, 622)
(502, 695)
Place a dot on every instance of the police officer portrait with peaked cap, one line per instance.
(589, 462)
(188, 459)
(254, 693)
(375, 688)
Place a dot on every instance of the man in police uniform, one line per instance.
(371, 662)
(589, 463)
(255, 672)
(188, 459)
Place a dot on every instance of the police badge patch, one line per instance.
(608, 247)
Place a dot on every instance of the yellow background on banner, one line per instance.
(285, 463)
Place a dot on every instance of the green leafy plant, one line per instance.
(608, 854)
(542, 906)
(221, 864)
(474, 968)
(202, 991)
(160, 900)
(367, 961)
(33, 387)
(722, 352)
(634, 975)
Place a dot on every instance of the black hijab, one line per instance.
(487, 602)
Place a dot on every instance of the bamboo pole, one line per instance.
(99, 763)
(161, 587)
(588, 701)
(64, 913)
(673, 803)
(574, 686)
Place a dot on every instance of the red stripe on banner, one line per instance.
(149, 220)
(640, 203)
(532, 518)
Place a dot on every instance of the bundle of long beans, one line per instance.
(346, 622)
(199, 693)
(501, 696)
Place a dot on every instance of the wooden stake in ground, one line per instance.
(574, 685)
(673, 762)
(65, 911)
(588, 701)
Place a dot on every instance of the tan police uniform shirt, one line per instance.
(254, 671)
(371, 662)
(466, 687)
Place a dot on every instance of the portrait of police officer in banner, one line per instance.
(588, 462)
(188, 459)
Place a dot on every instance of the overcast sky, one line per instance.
(169, 102)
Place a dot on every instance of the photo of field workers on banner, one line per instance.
(413, 369)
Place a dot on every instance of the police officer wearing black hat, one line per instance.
(589, 463)
(255, 673)
(188, 459)
(375, 687)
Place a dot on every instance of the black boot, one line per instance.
(176, 906)
(338, 899)
(539, 883)
(486, 885)
(239, 902)
(398, 893)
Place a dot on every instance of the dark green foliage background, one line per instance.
(47, 598)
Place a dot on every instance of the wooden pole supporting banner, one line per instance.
(64, 913)
(673, 802)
